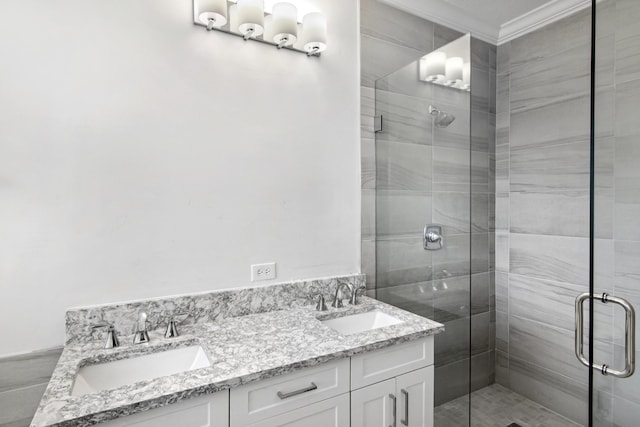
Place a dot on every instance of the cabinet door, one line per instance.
(204, 411)
(415, 398)
(332, 412)
(374, 406)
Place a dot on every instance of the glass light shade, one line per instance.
(213, 10)
(285, 23)
(453, 68)
(435, 66)
(251, 17)
(314, 30)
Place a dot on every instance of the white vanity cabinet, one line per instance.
(211, 410)
(368, 390)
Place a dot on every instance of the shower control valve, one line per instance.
(432, 239)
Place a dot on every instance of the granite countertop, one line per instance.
(241, 350)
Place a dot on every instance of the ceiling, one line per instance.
(494, 21)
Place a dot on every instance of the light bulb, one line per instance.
(213, 12)
(285, 24)
(314, 30)
(251, 17)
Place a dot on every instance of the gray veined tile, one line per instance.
(503, 59)
(404, 118)
(553, 303)
(368, 164)
(482, 54)
(627, 188)
(391, 24)
(502, 212)
(480, 331)
(480, 293)
(554, 38)
(27, 369)
(451, 169)
(400, 261)
(18, 406)
(550, 168)
(627, 40)
(543, 80)
(403, 166)
(368, 214)
(367, 127)
(416, 298)
(563, 259)
(502, 368)
(627, 284)
(503, 100)
(482, 370)
(629, 388)
(368, 254)
(453, 344)
(480, 88)
(502, 251)
(502, 331)
(479, 172)
(626, 107)
(453, 259)
(502, 291)
(401, 212)
(405, 81)
(444, 35)
(557, 213)
(551, 389)
(479, 252)
(480, 207)
(452, 210)
(457, 134)
(380, 58)
(559, 123)
(367, 101)
(448, 96)
(480, 131)
(451, 298)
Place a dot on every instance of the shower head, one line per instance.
(442, 119)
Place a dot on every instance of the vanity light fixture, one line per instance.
(249, 20)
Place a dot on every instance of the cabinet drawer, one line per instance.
(389, 362)
(204, 411)
(267, 398)
(332, 412)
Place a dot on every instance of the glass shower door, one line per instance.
(616, 219)
(423, 221)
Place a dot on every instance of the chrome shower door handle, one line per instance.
(629, 335)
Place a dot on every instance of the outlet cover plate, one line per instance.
(263, 271)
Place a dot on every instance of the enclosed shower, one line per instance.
(505, 201)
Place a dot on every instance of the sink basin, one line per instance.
(110, 375)
(362, 322)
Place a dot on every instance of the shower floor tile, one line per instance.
(497, 406)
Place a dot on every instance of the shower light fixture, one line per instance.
(280, 28)
(452, 72)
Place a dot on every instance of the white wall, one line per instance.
(141, 156)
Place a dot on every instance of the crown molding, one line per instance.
(444, 13)
(540, 17)
(449, 16)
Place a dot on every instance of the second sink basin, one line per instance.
(110, 375)
(362, 322)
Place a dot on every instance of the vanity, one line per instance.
(269, 359)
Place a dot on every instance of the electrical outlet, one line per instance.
(263, 271)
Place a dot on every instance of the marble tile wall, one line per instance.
(415, 174)
(542, 207)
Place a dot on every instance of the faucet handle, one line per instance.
(141, 335)
(111, 340)
(172, 325)
(354, 294)
(321, 305)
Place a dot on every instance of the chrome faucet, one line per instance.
(337, 302)
(354, 294)
(142, 335)
(111, 340)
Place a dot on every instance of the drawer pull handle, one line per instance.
(311, 387)
(405, 422)
(394, 401)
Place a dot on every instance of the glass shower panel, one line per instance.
(423, 214)
(616, 195)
